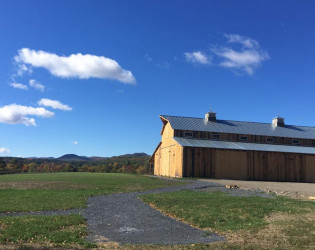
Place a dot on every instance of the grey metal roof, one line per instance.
(243, 146)
(239, 127)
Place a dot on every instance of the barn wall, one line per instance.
(168, 158)
(168, 161)
(248, 165)
(167, 136)
(157, 161)
(309, 168)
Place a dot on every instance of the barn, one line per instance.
(224, 149)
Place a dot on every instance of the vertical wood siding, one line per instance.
(248, 165)
(169, 156)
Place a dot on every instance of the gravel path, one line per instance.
(125, 219)
(291, 189)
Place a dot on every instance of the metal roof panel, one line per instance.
(239, 127)
(243, 146)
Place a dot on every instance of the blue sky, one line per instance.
(91, 77)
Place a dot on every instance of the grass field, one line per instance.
(52, 191)
(44, 230)
(247, 222)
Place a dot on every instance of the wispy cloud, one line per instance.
(148, 58)
(245, 41)
(4, 150)
(247, 58)
(74, 66)
(197, 57)
(18, 114)
(75, 142)
(163, 65)
(55, 104)
(18, 86)
(36, 85)
(22, 69)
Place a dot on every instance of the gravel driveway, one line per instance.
(125, 219)
(291, 189)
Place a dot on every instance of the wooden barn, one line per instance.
(211, 148)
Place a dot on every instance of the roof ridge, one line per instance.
(304, 126)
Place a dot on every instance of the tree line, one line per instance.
(131, 165)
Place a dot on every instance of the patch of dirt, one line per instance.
(40, 246)
(104, 243)
(272, 236)
(291, 189)
(2, 226)
(132, 187)
(41, 185)
(72, 228)
(34, 247)
(7, 247)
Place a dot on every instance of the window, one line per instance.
(295, 141)
(270, 139)
(188, 134)
(215, 136)
(243, 138)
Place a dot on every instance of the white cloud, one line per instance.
(245, 41)
(197, 57)
(247, 58)
(54, 104)
(37, 85)
(75, 65)
(18, 85)
(22, 68)
(18, 114)
(4, 150)
(75, 142)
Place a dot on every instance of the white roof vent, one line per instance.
(278, 121)
(211, 116)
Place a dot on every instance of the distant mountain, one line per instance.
(134, 155)
(98, 158)
(38, 158)
(73, 157)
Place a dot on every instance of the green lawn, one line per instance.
(45, 230)
(52, 191)
(247, 222)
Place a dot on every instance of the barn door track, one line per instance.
(125, 219)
